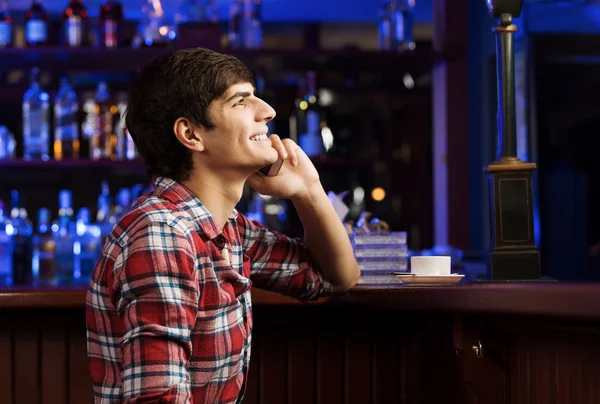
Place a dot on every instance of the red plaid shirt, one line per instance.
(169, 316)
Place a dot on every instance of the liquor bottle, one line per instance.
(5, 26)
(7, 143)
(66, 127)
(35, 120)
(75, 24)
(251, 25)
(297, 120)
(22, 230)
(196, 11)
(103, 144)
(63, 233)
(111, 18)
(36, 24)
(6, 233)
(385, 26)
(44, 251)
(261, 92)
(86, 247)
(404, 39)
(234, 28)
(152, 29)
(311, 141)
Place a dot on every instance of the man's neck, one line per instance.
(218, 193)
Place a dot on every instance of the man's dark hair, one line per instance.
(179, 84)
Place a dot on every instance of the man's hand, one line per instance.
(296, 178)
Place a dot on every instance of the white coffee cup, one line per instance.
(430, 265)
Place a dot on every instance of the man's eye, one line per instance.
(240, 102)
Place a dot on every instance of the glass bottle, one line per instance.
(36, 24)
(75, 24)
(36, 103)
(111, 18)
(66, 127)
(5, 25)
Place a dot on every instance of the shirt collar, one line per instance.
(189, 203)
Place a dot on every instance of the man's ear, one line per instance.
(188, 134)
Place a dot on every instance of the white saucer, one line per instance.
(415, 279)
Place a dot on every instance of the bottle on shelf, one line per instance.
(234, 26)
(63, 233)
(6, 232)
(111, 18)
(396, 26)
(196, 11)
(7, 144)
(252, 25)
(153, 29)
(36, 24)
(36, 137)
(66, 127)
(6, 29)
(297, 120)
(86, 246)
(261, 92)
(103, 144)
(311, 141)
(44, 251)
(76, 24)
(22, 252)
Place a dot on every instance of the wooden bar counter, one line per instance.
(475, 343)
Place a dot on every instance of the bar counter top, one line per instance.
(555, 299)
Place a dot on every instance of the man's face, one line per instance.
(238, 138)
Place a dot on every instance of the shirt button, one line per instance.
(220, 241)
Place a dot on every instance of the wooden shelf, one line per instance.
(130, 60)
(137, 165)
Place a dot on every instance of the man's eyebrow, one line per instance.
(239, 94)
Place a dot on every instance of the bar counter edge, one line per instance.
(556, 299)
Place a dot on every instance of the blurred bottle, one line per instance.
(63, 233)
(75, 24)
(103, 144)
(311, 141)
(111, 18)
(234, 28)
(66, 127)
(35, 120)
(251, 25)
(103, 212)
(36, 24)
(6, 232)
(22, 251)
(86, 246)
(5, 26)
(196, 11)
(297, 120)
(44, 251)
(7, 144)
(396, 25)
(261, 92)
(153, 29)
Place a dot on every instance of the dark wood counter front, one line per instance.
(482, 343)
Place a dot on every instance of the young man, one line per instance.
(169, 316)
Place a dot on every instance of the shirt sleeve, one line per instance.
(280, 263)
(158, 304)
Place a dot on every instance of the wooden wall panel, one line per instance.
(53, 346)
(6, 365)
(26, 366)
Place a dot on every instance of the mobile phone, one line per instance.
(272, 169)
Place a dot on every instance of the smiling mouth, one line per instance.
(258, 138)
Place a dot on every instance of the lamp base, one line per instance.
(514, 255)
